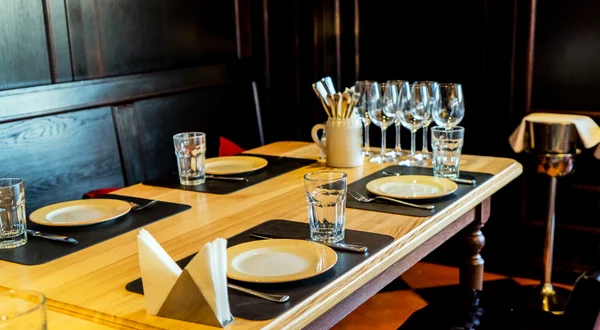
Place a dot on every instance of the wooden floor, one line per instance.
(388, 310)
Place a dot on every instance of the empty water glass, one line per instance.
(13, 223)
(447, 145)
(190, 149)
(22, 310)
(326, 198)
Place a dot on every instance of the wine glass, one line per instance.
(451, 109)
(433, 90)
(413, 112)
(402, 86)
(361, 110)
(381, 102)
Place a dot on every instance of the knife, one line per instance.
(457, 180)
(465, 181)
(335, 246)
(53, 237)
(227, 178)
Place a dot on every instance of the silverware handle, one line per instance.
(226, 178)
(347, 247)
(425, 207)
(271, 297)
(465, 181)
(148, 204)
(335, 246)
(53, 237)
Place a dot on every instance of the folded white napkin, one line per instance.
(196, 294)
(588, 130)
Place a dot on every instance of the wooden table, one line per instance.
(91, 283)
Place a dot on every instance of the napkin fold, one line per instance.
(588, 130)
(196, 294)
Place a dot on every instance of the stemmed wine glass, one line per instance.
(451, 109)
(413, 112)
(361, 110)
(433, 89)
(381, 102)
(402, 86)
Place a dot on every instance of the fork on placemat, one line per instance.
(363, 199)
(137, 207)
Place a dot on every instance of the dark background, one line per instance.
(92, 90)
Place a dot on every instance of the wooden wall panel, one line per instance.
(566, 68)
(61, 157)
(217, 111)
(115, 37)
(23, 48)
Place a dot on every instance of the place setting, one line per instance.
(267, 269)
(59, 229)
(224, 174)
(410, 187)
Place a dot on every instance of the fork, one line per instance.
(363, 199)
(137, 207)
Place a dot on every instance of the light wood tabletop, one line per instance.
(59, 321)
(91, 282)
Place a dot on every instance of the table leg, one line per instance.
(471, 272)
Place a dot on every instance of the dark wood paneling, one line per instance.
(566, 62)
(58, 41)
(23, 48)
(115, 37)
(37, 101)
(217, 111)
(61, 157)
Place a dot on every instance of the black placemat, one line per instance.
(252, 308)
(390, 207)
(275, 167)
(40, 250)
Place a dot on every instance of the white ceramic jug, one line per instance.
(343, 147)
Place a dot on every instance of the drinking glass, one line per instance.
(451, 109)
(403, 86)
(381, 104)
(361, 110)
(413, 112)
(433, 90)
(447, 145)
(22, 310)
(326, 198)
(190, 149)
(13, 223)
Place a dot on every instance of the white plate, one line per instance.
(412, 186)
(233, 165)
(278, 260)
(80, 212)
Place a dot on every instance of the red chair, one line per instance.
(228, 148)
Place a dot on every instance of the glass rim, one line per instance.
(32, 309)
(307, 176)
(17, 181)
(452, 129)
(188, 135)
(447, 84)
